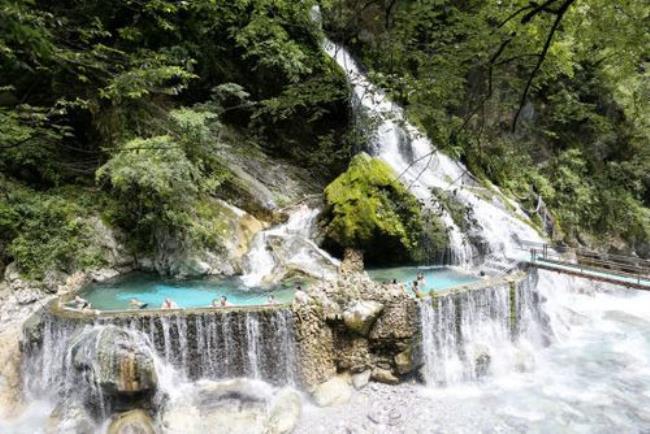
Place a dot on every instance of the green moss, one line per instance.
(370, 210)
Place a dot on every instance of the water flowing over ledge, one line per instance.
(468, 334)
(201, 343)
(502, 225)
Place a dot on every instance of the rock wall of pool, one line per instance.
(354, 324)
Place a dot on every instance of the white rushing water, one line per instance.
(421, 167)
(592, 375)
(287, 246)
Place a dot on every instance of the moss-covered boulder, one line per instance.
(370, 210)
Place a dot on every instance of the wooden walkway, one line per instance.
(619, 270)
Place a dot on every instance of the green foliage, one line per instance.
(459, 68)
(46, 231)
(159, 183)
(370, 210)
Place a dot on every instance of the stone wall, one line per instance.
(354, 325)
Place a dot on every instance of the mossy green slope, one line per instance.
(369, 209)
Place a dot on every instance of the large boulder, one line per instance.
(370, 210)
(361, 379)
(132, 422)
(115, 362)
(404, 361)
(233, 406)
(361, 315)
(384, 376)
(285, 412)
(335, 391)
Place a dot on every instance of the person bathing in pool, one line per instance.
(137, 304)
(416, 289)
(169, 304)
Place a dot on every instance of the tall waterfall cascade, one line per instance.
(421, 168)
(288, 246)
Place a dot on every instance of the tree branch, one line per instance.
(559, 15)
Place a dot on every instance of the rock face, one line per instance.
(361, 315)
(10, 373)
(353, 325)
(114, 365)
(132, 422)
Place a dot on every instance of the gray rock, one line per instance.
(360, 380)
(285, 413)
(361, 315)
(118, 362)
(28, 295)
(404, 361)
(384, 376)
(132, 422)
(233, 406)
(335, 391)
(33, 329)
(103, 274)
(11, 273)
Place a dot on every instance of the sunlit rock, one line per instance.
(360, 316)
(336, 391)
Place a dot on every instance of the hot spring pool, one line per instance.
(436, 278)
(153, 289)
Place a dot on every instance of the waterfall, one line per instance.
(469, 334)
(211, 345)
(287, 246)
(503, 225)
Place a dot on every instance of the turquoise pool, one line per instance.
(436, 278)
(152, 289)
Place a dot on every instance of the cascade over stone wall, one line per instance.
(215, 344)
(356, 325)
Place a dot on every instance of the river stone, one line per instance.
(233, 406)
(361, 315)
(384, 376)
(116, 360)
(404, 361)
(360, 380)
(335, 391)
(285, 413)
(132, 422)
